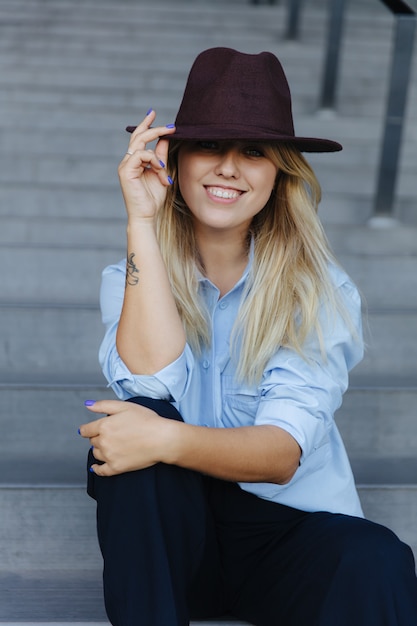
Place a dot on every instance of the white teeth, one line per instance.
(222, 193)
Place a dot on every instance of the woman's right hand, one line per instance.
(142, 172)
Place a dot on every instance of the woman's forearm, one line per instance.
(244, 454)
(150, 333)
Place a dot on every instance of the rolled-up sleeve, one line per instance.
(300, 394)
(170, 383)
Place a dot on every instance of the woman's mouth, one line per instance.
(224, 194)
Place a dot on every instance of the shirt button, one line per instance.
(223, 305)
(206, 364)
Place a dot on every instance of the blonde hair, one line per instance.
(289, 279)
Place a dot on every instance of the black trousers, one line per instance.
(178, 546)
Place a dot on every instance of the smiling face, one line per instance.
(224, 183)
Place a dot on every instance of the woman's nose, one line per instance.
(228, 165)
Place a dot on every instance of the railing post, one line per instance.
(334, 39)
(397, 98)
(293, 19)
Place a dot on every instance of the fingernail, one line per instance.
(149, 112)
(91, 470)
(161, 163)
(171, 182)
(89, 402)
(170, 126)
(92, 448)
(79, 431)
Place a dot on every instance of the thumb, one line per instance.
(109, 407)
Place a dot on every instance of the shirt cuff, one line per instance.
(310, 432)
(170, 383)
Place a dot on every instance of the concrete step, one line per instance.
(379, 429)
(70, 34)
(36, 347)
(50, 200)
(391, 351)
(76, 232)
(54, 343)
(352, 209)
(40, 443)
(125, 13)
(256, 26)
(360, 137)
(59, 68)
(91, 201)
(41, 98)
(101, 170)
(52, 529)
(50, 181)
(67, 271)
(383, 280)
(65, 276)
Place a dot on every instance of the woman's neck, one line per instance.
(223, 260)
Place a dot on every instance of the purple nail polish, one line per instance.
(79, 431)
(171, 182)
(149, 112)
(161, 163)
(91, 470)
(89, 402)
(170, 126)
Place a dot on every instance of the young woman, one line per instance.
(222, 485)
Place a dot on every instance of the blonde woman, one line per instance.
(222, 485)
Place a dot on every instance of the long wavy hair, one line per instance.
(289, 279)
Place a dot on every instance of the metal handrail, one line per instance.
(331, 62)
(405, 26)
(293, 16)
(293, 19)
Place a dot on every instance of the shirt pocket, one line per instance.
(240, 403)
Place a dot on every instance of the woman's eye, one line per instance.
(253, 151)
(208, 145)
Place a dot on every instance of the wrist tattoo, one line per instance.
(132, 278)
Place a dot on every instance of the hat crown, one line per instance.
(246, 94)
(232, 95)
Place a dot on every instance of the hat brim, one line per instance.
(220, 133)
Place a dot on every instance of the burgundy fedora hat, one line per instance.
(234, 95)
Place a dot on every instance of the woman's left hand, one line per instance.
(129, 438)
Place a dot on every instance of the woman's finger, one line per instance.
(141, 160)
(144, 133)
(145, 123)
(161, 151)
(97, 453)
(148, 135)
(103, 470)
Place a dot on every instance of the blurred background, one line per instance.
(73, 75)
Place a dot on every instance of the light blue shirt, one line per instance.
(298, 395)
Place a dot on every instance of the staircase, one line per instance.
(73, 74)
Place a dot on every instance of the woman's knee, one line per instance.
(135, 481)
(162, 407)
(370, 549)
